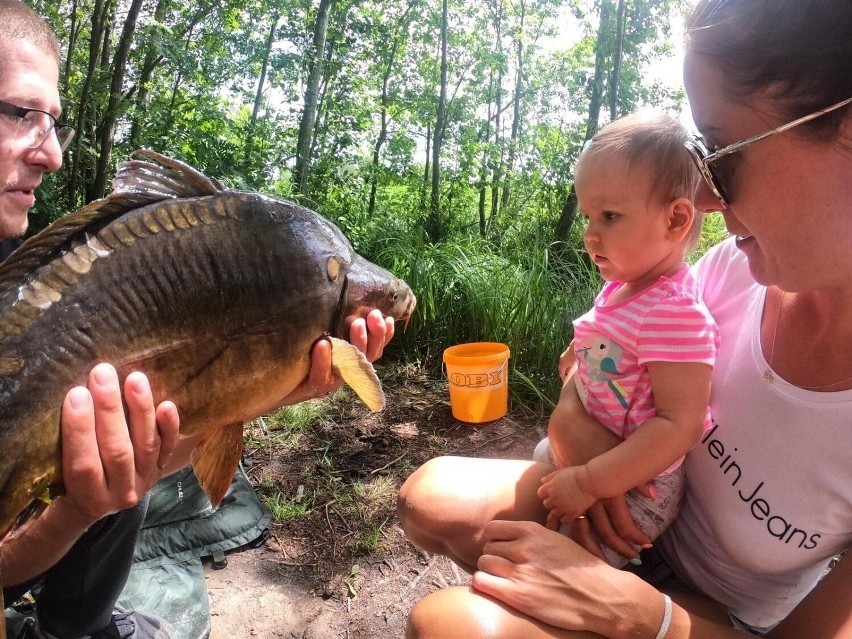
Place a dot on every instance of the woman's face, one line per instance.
(790, 197)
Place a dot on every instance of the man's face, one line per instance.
(29, 77)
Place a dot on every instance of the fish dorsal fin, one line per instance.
(136, 184)
(350, 363)
(215, 459)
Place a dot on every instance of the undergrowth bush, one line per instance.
(519, 289)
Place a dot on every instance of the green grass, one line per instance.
(282, 508)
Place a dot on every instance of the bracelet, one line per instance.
(667, 618)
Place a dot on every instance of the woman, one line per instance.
(769, 494)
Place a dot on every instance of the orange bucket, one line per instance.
(478, 377)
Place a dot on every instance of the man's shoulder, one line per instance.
(7, 246)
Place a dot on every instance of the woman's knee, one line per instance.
(461, 612)
(422, 503)
(450, 613)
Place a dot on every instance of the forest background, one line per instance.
(439, 135)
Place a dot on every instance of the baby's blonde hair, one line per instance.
(654, 141)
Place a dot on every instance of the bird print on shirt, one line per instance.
(602, 357)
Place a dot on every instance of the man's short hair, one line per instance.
(20, 23)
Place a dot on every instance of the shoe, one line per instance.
(125, 624)
(132, 624)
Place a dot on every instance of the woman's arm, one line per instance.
(549, 578)
(681, 393)
(575, 438)
(826, 613)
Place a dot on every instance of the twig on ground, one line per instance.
(486, 443)
(416, 580)
(456, 576)
(390, 463)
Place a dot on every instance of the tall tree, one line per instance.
(617, 57)
(85, 111)
(316, 57)
(258, 97)
(569, 210)
(107, 128)
(433, 226)
(152, 59)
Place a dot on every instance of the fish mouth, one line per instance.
(409, 311)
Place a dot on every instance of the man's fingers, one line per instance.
(321, 378)
(80, 457)
(114, 441)
(168, 423)
(142, 423)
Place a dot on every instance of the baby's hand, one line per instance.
(560, 493)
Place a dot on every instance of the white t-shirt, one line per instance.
(769, 487)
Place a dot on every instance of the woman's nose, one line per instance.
(705, 200)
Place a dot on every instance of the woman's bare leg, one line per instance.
(463, 613)
(444, 504)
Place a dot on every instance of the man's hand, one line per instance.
(110, 461)
(369, 335)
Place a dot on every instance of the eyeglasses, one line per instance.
(704, 159)
(34, 125)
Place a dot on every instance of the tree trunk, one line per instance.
(516, 108)
(569, 210)
(152, 59)
(617, 54)
(309, 115)
(119, 66)
(383, 130)
(258, 97)
(99, 14)
(72, 43)
(433, 227)
(496, 175)
(484, 136)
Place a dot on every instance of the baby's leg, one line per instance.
(651, 516)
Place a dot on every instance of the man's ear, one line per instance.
(681, 215)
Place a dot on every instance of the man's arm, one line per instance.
(108, 463)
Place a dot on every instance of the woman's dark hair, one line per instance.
(797, 51)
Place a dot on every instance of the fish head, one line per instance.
(370, 286)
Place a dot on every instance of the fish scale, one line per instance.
(216, 295)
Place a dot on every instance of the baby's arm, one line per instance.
(681, 394)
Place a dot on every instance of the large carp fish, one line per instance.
(217, 295)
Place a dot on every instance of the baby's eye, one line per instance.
(609, 216)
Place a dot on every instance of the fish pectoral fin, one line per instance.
(351, 364)
(215, 459)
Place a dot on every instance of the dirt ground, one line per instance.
(341, 567)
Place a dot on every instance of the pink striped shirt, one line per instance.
(665, 322)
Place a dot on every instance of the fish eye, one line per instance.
(333, 268)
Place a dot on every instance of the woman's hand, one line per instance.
(611, 521)
(110, 461)
(369, 335)
(549, 577)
